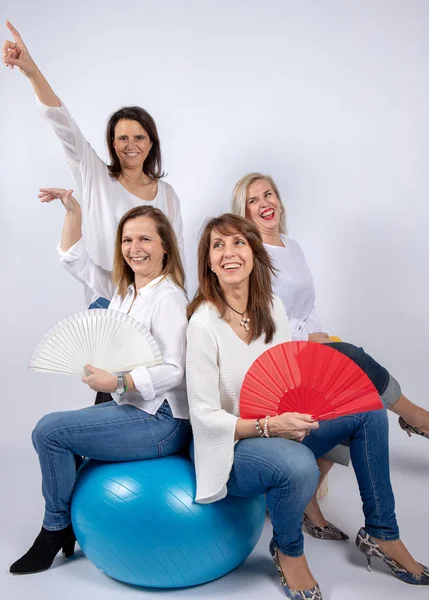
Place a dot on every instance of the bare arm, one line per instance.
(15, 53)
(72, 228)
(294, 426)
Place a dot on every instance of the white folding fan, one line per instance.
(106, 339)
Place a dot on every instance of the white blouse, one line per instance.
(161, 307)
(217, 361)
(294, 286)
(104, 200)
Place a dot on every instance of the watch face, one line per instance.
(121, 387)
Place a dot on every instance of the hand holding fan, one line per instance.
(307, 378)
(107, 339)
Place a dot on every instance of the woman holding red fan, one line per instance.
(234, 318)
(257, 197)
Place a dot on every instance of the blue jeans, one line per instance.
(387, 387)
(106, 432)
(286, 471)
(99, 303)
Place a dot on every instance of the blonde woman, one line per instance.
(257, 197)
(148, 415)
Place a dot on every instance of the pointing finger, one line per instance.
(16, 35)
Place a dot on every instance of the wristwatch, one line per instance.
(121, 388)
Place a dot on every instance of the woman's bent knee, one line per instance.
(45, 427)
(296, 468)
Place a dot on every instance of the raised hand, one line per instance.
(66, 196)
(16, 53)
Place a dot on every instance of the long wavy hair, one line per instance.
(172, 266)
(152, 166)
(239, 196)
(260, 295)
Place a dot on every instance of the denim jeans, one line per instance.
(286, 471)
(106, 432)
(386, 385)
(100, 303)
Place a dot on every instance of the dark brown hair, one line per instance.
(152, 166)
(260, 293)
(172, 266)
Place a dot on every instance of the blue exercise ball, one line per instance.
(138, 523)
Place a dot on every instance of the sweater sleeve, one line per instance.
(213, 427)
(76, 147)
(79, 264)
(175, 216)
(301, 328)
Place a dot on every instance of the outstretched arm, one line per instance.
(16, 54)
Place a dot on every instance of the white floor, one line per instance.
(339, 567)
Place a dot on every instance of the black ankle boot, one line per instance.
(45, 548)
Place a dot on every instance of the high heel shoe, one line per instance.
(329, 532)
(313, 594)
(410, 429)
(45, 548)
(369, 547)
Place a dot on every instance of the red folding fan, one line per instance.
(308, 378)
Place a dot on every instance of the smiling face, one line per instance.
(132, 143)
(142, 248)
(231, 258)
(263, 207)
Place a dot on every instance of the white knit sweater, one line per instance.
(216, 363)
(103, 199)
(294, 286)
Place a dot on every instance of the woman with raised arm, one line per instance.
(234, 318)
(148, 415)
(257, 197)
(106, 192)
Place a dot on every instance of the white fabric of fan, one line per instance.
(106, 339)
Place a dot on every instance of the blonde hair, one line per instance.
(172, 266)
(239, 196)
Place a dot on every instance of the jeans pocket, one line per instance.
(176, 439)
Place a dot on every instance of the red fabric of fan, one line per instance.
(308, 378)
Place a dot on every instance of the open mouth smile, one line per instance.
(268, 214)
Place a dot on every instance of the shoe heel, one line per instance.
(68, 547)
(368, 566)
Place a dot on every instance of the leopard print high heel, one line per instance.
(313, 594)
(369, 547)
(410, 429)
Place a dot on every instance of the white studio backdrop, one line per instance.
(329, 97)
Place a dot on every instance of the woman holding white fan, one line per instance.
(148, 417)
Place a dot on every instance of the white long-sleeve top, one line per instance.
(294, 285)
(217, 361)
(104, 200)
(161, 307)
